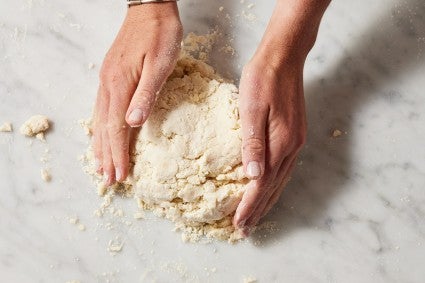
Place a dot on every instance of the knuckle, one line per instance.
(254, 145)
(110, 74)
(146, 97)
(253, 105)
(115, 129)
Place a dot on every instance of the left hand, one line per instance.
(273, 121)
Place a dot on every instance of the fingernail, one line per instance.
(118, 174)
(253, 169)
(135, 117)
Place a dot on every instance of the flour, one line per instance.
(35, 126)
(187, 156)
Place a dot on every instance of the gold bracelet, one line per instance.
(140, 2)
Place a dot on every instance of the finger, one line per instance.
(256, 190)
(99, 119)
(153, 77)
(97, 150)
(254, 115)
(278, 192)
(257, 213)
(119, 132)
(108, 165)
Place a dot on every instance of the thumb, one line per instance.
(145, 95)
(253, 122)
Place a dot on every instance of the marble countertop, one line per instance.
(353, 212)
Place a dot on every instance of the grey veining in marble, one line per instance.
(353, 212)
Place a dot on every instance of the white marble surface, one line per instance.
(354, 211)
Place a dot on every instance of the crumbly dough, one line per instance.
(187, 159)
(36, 125)
(187, 164)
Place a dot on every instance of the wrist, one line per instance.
(153, 11)
(291, 32)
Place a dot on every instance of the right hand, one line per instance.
(141, 58)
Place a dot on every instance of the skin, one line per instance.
(133, 72)
(272, 106)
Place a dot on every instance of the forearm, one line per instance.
(292, 30)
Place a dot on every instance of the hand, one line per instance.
(273, 132)
(272, 106)
(141, 58)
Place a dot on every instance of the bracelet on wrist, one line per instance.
(140, 2)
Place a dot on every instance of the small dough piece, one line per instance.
(35, 125)
(250, 279)
(6, 127)
(45, 175)
(336, 133)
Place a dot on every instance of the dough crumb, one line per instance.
(228, 49)
(336, 133)
(249, 16)
(250, 6)
(138, 215)
(115, 246)
(6, 127)
(45, 175)
(90, 66)
(86, 124)
(250, 279)
(73, 220)
(221, 9)
(35, 125)
(101, 189)
(40, 136)
(81, 227)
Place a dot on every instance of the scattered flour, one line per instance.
(187, 157)
(35, 126)
(6, 127)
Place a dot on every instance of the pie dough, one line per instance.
(186, 162)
